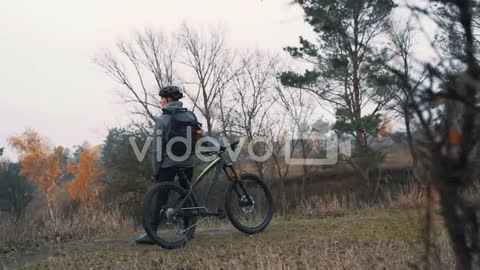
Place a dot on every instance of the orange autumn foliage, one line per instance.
(40, 163)
(454, 136)
(386, 127)
(85, 186)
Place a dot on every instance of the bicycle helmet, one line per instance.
(171, 91)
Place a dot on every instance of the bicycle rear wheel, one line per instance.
(163, 218)
(249, 204)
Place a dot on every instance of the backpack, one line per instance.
(184, 124)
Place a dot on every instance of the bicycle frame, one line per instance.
(218, 164)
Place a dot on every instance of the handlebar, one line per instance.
(233, 146)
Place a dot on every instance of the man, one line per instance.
(166, 163)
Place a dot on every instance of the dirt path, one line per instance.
(369, 239)
(41, 257)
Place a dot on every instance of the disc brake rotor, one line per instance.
(245, 205)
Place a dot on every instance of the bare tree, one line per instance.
(402, 45)
(212, 65)
(253, 87)
(298, 105)
(280, 134)
(142, 67)
(226, 115)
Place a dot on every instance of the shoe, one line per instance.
(144, 239)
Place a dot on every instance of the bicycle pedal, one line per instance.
(221, 213)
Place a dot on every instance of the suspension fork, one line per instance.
(234, 177)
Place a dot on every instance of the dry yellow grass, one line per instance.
(358, 239)
(327, 232)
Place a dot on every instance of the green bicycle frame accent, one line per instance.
(205, 171)
(218, 164)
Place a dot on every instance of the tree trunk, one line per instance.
(50, 210)
(453, 209)
(305, 172)
(209, 125)
(427, 234)
(357, 113)
(357, 106)
(410, 137)
(259, 166)
(457, 235)
(282, 177)
(304, 176)
(284, 197)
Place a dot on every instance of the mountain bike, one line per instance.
(171, 212)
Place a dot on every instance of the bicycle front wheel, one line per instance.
(249, 204)
(164, 218)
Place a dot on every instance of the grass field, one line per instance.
(356, 239)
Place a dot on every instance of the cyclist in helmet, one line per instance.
(164, 167)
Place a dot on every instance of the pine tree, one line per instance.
(348, 72)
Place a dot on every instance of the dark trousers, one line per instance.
(168, 175)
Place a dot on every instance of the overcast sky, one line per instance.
(49, 82)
